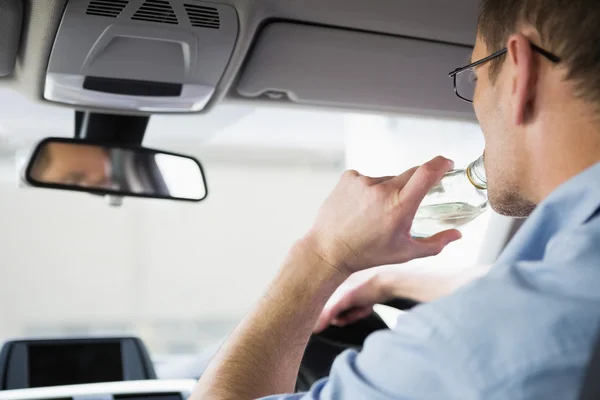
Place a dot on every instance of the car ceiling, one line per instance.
(433, 20)
(231, 133)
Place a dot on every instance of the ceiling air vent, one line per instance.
(202, 16)
(156, 11)
(106, 8)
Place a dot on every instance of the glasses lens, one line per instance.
(465, 84)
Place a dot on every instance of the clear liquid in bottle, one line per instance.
(459, 198)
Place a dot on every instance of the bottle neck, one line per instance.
(476, 174)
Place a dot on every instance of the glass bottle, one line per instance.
(459, 198)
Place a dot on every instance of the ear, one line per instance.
(523, 77)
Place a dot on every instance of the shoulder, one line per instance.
(502, 337)
(526, 319)
(580, 243)
(526, 330)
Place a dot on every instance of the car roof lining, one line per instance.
(434, 20)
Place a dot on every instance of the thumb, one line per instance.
(323, 321)
(353, 315)
(432, 246)
(329, 313)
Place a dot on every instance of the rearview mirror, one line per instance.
(72, 164)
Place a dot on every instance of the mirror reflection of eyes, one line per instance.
(77, 165)
(73, 178)
(82, 179)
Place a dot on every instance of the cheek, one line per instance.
(491, 126)
(489, 112)
(486, 122)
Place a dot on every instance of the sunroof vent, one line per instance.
(156, 11)
(202, 16)
(106, 8)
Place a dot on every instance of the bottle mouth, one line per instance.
(475, 177)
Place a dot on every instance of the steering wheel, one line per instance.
(324, 347)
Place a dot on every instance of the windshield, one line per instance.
(180, 275)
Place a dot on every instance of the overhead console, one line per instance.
(140, 55)
(317, 65)
(11, 20)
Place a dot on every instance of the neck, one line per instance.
(568, 149)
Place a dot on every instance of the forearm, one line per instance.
(263, 354)
(425, 284)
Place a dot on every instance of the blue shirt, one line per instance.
(524, 331)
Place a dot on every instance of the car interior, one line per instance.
(113, 69)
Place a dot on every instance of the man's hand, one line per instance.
(354, 300)
(366, 222)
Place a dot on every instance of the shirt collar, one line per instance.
(576, 200)
(570, 205)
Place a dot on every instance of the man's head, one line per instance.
(538, 117)
(72, 164)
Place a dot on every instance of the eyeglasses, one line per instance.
(465, 79)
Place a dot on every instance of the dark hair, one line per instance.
(568, 28)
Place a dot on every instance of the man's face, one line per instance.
(505, 158)
(81, 165)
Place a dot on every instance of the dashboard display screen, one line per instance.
(74, 363)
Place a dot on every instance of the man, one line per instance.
(91, 166)
(525, 330)
(72, 164)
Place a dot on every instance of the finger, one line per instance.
(355, 315)
(434, 245)
(340, 313)
(329, 313)
(322, 323)
(324, 320)
(381, 179)
(425, 177)
(347, 312)
(401, 180)
(350, 313)
(351, 173)
(371, 181)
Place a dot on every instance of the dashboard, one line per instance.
(101, 368)
(119, 368)
(126, 390)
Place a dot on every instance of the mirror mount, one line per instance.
(127, 130)
(114, 201)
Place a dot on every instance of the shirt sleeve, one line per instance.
(414, 361)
